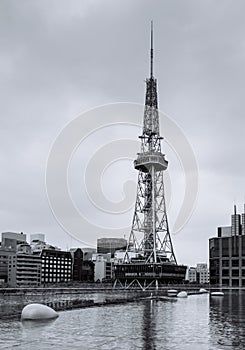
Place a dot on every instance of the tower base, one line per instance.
(148, 275)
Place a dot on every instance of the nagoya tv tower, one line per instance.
(150, 256)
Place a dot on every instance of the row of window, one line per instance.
(234, 263)
(56, 263)
(52, 280)
(234, 273)
(234, 282)
(55, 258)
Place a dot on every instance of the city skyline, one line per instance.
(61, 60)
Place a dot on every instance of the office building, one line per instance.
(227, 254)
(202, 273)
(56, 266)
(198, 274)
(4, 261)
(192, 274)
(81, 270)
(8, 248)
(24, 270)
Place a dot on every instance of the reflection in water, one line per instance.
(227, 317)
(149, 325)
(31, 324)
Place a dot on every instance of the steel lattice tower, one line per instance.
(150, 237)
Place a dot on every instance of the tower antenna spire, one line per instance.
(151, 68)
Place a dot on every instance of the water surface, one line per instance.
(198, 322)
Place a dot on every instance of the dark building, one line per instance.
(5, 255)
(87, 271)
(56, 266)
(227, 254)
(81, 270)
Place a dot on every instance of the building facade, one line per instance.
(81, 270)
(227, 254)
(192, 275)
(56, 266)
(10, 240)
(24, 270)
(4, 262)
(110, 245)
(103, 267)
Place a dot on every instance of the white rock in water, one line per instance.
(182, 295)
(172, 291)
(217, 294)
(38, 312)
(203, 290)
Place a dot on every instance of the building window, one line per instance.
(225, 246)
(225, 273)
(225, 282)
(235, 263)
(225, 263)
(235, 283)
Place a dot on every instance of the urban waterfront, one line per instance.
(197, 322)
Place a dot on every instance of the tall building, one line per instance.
(227, 254)
(82, 270)
(150, 237)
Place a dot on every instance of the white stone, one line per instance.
(217, 294)
(203, 290)
(172, 291)
(182, 294)
(38, 312)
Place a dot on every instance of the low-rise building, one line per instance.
(198, 274)
(24, 270)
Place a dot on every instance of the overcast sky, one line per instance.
(60, 58)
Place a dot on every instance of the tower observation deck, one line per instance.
(150, 257)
